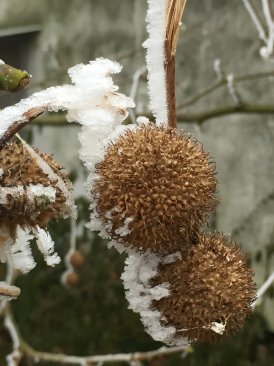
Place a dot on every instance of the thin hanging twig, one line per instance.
(175, 11)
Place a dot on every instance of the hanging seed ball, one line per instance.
(211, 290)
(27, 195)
(155, 188)
(77, 259)
(70, 278)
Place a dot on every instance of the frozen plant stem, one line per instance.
(174, 13)
(263, 289)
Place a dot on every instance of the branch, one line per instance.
(222, 83)
(175, 11)
(12, 79)
(17, 125)
(263, 289)
(111, 358)
(226, 110)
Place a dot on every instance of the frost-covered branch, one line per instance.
(253, 15)
(18, 123)
(21, 348)
(263, 289)
(134, 88)
(267, 37)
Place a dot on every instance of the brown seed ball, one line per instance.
(70, 278)
(211, 290)
(161, 181)
(19, 170)
(77, 259)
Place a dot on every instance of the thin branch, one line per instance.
(222, 83)
(201, 117)
(226, 110)
(17, 125)
(252, 13)
(263, 289)
(175, 11)
(110, 358)
(134, 88)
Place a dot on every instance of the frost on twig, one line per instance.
(268, 38)
(8, 292)
(155, 44)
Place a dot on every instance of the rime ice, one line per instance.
(156, 26)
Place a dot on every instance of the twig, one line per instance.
(174, 13)
(232, 89)
(17, 125)
(134, 88)
(110, 358)
(252, 13)
(226, 110)
(222, 83)
(263, 289)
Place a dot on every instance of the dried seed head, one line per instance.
(77, 259)
(28, 196)
(211, 290)
(70, 278)
(155, 188)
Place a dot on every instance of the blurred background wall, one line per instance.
(46, 37)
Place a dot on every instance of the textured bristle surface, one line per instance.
(211, 290)
(19, 169)
(160, 183)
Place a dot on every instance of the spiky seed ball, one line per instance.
(155, 188)
(77, 259)
(20, 178)
(211, 290)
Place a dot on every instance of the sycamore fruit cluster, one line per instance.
(154, 191)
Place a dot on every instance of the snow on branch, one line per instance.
(91, 99)
(155, 58)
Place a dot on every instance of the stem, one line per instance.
(17, 125)
(170, 87)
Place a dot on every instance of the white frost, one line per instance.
(39, 190)
(43, 165)
(155, 44)
(139, 270)
(20, 251)
(46, 246)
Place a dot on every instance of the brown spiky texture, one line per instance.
(161, 180)
(20, 169)
(211, 287)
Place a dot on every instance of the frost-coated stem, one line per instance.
(155, 59)
(134, 88)
(255, 20)
(20, 123)
(263, 289)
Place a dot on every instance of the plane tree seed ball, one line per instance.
(28, 196)
(155, 188)
(211, 290)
